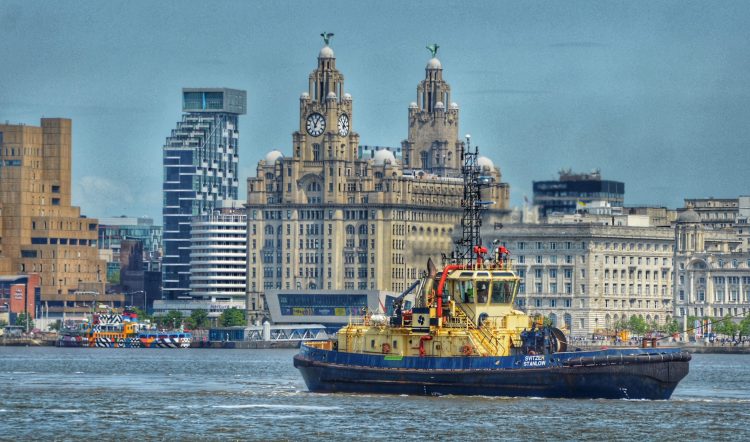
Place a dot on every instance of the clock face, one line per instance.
(343, 125)
(316, 124)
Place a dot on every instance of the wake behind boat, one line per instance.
(463, 336)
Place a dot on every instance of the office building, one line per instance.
(587, 277)
(712, 271)
(113, 230)
(714, 213)
(200, 169)
(574, 191)
(218, 264)
(322, 218)
(40, 232)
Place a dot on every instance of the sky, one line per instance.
(653, 93)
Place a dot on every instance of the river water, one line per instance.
(214, 394)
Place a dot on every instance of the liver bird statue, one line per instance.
(327, 37)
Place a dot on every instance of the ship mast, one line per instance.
(471, 221)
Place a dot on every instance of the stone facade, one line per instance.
(713, 272)
(40, 231)
(587, 277)
(324, 218)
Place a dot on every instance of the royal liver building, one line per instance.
(322, 218)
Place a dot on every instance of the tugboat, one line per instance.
(107, 330)
(464, 336)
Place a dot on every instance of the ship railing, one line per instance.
(486, 339)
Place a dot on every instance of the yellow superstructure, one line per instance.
(477, 318)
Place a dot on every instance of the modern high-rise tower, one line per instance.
(200, 168)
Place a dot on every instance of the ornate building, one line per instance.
(712, 272)
(40, 232)
(587, 277)
(324, 218)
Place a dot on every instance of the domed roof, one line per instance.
(273, 155)
(304, 96)
(689, 216)
(348, 96)
(413, 105)
(382, 156)
(326, 52)
(485, 163)
(454, 105)
(439, 105)
(434, 63)
(331, 95)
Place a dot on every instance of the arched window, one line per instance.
(350, 229)
(363, 229)
(424, 160)
(268, 230)
(568, 321)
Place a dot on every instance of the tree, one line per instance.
(55, 326)
(142, 315)
(724, 326)
(672, 327)
(744, 326)
(3, 323)
(199, 319)
(25, 321)
(637, 325)
(232, 317)
(173, 319)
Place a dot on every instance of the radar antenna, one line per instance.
(471, 221)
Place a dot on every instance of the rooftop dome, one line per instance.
(413, 105)
(439, 105)
(434, 63)
(326, 52)
(331, 95)
(383, 156)
(689, 216)
(485, 163)
(304, 96)
(272, 156)
(348, 96)
(454, 105)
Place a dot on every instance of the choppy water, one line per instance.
(205, 394)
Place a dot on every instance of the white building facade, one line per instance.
(587, 277)
(218, 263)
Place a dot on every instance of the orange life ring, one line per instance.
(467, 350)
(386, 348)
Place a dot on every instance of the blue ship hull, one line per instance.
(630, 373)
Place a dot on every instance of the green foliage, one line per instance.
(672, 327)
(173, 319)
(55, 326)
(725, 326)
(232, 317)
(198, 319)
(24, 321)
(637, 325)
(142, 315)
(3, 323)
(744, 326)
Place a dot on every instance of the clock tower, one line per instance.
(433, 144)
(325, 115)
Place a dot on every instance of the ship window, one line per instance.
(467, 288)
(395, 344)
(372, 344)
(482, 291)
(502, 292)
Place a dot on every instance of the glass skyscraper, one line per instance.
(200, 168)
